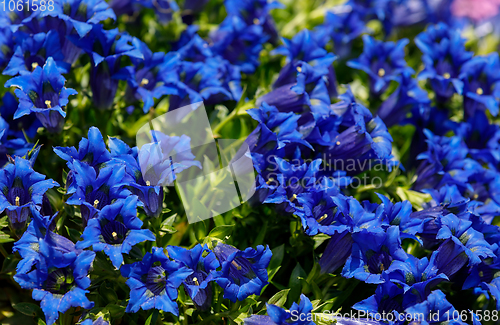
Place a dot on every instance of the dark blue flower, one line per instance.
(443, 55)
(373, 252)
(154, 281)
(462, 234)
(59, 280)
(98, 321)
(243, 273)
(20, 188)
(449, 258)
(203, 263)
(106, 49)
(34, 51)
(298, 314)
(481, 84)
(239, 43)
(115, 230)
(342, 28)
(94, 192)
(142, 76)
(417, 276)
(43, 93)
(382, 61)
(11, 145)
(82, 15)
(433, 310)
(163, 8)
(18, 128)
(405, 99)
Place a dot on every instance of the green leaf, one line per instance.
(9, 264)
(279, 299)
(221, 232)
(4, 222)
(27, 308)
(275, 263)
(5, 238)
(152, 318)
(116, 311)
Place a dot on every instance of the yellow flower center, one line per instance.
(446, 75)
(338, 143)
(96, 202)
(299, 69)
(256, 21)
(148, 183)
(479, 91)
(18, 201)
(34, 65)
(195, 280)
(323, 217)
(48, 103)
(114, 234)
(381, 72)
(236, 265)
(144, 81)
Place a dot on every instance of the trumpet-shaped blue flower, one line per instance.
(444, 55)
(34, 51)
(59, 280)
(342, 28)
(481, 84)
(203, 263)
(27, 124)
(382, 61)
(94, 192)
(106, 49)
(154, 281)
(20, 188)
(115, 230)
(243, 273)
(298, 314)
(434, 310)
(373, 253)
(9, 145)
(43, 93)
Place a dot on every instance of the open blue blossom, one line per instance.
(106, 49)
(203, 263)
(449, 258)
(373, 253)
(298, 314)
(43, 93)
(239, 43)
(406, 98)
(243, 273)
(11, 145)
(163, 8)
(165, 157)
(433, 310)
(34, 51)
(20, 188)
(17, 128)
(342, 28)
(154, 281)
(98, 321)
(94, 192)
(382, 61)
(151, 196)
(304, 48)
(417, 276)
(142, 76)
(481, 84)
(82, 14)
(115, 230)
(461, 232)
(59, 280)
(444, 55)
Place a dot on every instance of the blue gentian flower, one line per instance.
(151, 196)
(481, 84)
(154, 281)
(382, 61)
(98, 321)
(11, 146)
(444, 55)
(417, 276)
(376, 9)
(342, 28)
(8, 41)
(34, 51)
(163, 8)
(462, 234)
(337, 251)
(239, 43)
(449, 258)
(20, 188)
(26, 125)
(82, 14)
(115, 230)
(94, 192)
(405, 99)
(59, 280)
(106, 48)
(388, 298)
(373, 252)
(142, 77)
(434, 309)
(298, 314)
(155, 158)
(303, 47)
(243, 272)
(43, 93)
(203, 263)
(255, 12)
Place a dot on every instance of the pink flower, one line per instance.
(475, 9)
